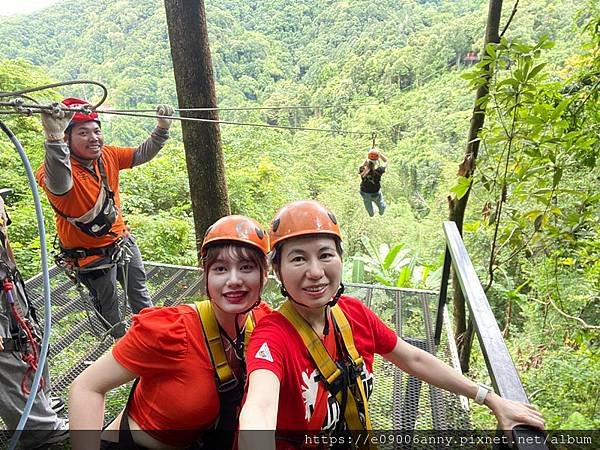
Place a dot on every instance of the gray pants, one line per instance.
(102, 284)
(370, 198)
(43, 422)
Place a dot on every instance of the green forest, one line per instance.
(397, 68)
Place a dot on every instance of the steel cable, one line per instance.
(22, 108)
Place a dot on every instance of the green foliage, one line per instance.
(389, 66)
(397, 266)
(536, 186)
(165, 237)
(163, 183)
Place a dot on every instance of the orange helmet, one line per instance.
(373, 154)
(301, 218)
(239, 229)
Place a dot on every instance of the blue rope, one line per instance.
(46, 277)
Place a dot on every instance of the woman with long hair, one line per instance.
(187, 360)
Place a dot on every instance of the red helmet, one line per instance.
(80, 117)
(239, 229)
(302, 218)
(373, 154)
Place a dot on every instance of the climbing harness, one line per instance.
(229, 386)
(22, 339)
(226, 379)
(119, 253)
(96, 222)
(341, 379)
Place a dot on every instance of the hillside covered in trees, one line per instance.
(400, 68)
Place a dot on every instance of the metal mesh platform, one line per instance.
(398, 402)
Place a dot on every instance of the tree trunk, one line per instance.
(194, 80)
(467, 167)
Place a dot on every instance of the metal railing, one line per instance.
(502, 371)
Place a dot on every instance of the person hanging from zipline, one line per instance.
(189, 360)
(370, 181)
(310, 363)
(80, 176)
(19, 356)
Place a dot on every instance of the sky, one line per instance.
(13, 7)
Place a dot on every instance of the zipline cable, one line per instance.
(244, 108)
(248, 124)
(46, 278)
(22, 108)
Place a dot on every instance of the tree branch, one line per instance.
(512, 14)
(568, 316)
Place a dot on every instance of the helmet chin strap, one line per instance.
(329, 304)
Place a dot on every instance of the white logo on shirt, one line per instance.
(309, 392)
(310, 387)
(264, 353)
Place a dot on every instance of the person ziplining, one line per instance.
(370, 180)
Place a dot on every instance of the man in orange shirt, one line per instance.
(80, 176)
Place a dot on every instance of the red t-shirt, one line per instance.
(176, 398)
(83, 195)
(275, 345)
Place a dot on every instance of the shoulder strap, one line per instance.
(327, 367)
(126, 441)
(104, 178)
(105, 186)
(344, 328)
(210, 328)
(341, 322)
(329, 370)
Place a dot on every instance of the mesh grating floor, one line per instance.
(398, 402)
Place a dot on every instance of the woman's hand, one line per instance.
(510, 413)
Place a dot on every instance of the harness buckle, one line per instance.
(357, 367)
(228, 385)
(79, 253)
(336, 385)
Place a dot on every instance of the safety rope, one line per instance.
(121, 257)
(31, 358)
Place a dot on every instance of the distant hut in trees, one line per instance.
(470, 58)
(464, 59)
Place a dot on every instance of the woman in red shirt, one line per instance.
(179, 397)
(310, 363)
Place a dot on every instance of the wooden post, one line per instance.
(194, 80)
